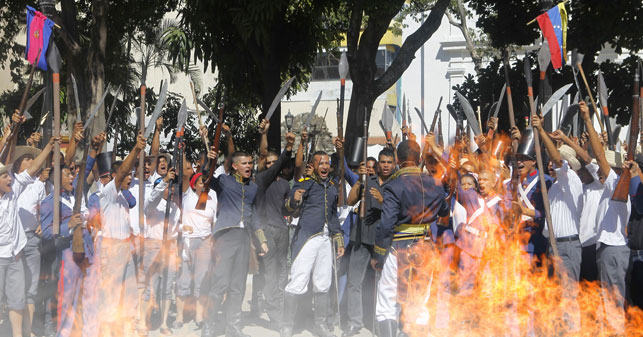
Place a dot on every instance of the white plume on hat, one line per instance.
(569, 155)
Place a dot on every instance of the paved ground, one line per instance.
(255, 327)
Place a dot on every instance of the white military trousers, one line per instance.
(386, 308)
(316, 258)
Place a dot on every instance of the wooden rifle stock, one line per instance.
(78, 247)
(622, 189)
(362, 206)
(203, 197)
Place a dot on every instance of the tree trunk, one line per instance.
(362, 51)
(96, 62)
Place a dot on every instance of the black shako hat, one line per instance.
(104, 163)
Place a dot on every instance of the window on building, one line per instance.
(326, 65)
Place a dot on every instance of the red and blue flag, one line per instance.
(38, 32)
(553, 24)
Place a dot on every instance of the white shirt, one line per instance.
(114, 211)
(155, 214)
(589, 208)
(12, 235)
(200, 221)
(612, 215)
(29, 204)
(133, 189)
(565, 202)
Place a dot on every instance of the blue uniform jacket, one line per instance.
(318, 206)
(537, 243)
(410, 197)
(235, 202)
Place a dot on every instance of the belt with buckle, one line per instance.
(412, 231)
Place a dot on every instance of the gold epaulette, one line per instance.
(303, 179)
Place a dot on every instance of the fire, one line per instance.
(513, 294)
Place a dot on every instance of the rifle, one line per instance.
(362, 206)
(621, 192)
(78, 247)
(203, 197)
(436, 115)
(177, 158)
(539, 159)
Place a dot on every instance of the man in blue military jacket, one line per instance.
(314, 200)
(236, 196)
(412, 200)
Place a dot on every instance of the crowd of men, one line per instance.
(280, 217)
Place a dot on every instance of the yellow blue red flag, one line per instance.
(553, 24)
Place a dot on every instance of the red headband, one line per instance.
(194, 179)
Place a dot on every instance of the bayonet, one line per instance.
(468, 112)
(158, 108)
(278, 97)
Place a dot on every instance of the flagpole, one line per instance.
(536, 18)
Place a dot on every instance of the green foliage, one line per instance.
(257, 44)
(592, 23)
(242, 119)
(484, 89)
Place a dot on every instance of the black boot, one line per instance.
(233, 328)
(321, 314)
(387, 328)
(210, 318)
(290, 310)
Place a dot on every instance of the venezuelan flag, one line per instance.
(38, 32)
(553, 24)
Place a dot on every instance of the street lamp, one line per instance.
(289, 120)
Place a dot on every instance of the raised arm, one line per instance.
(356, 191)
(263, 144)
(76, 136)
(554, 155)
(10, 136)
(599, 152)
(299, 157)
(156, 143)
(125, 168)
(42, 157)
(580, 152)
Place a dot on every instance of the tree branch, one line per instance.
(451, 20)
(406, 54)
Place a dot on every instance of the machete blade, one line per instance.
(158, 108)
(555, 98)
(278, 97)
(468, 112)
